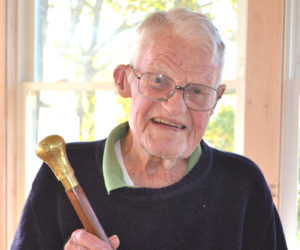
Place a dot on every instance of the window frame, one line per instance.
(8, 117)
(290, 124)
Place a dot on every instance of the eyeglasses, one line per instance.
(159, 88)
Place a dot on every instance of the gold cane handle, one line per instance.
(52, 150)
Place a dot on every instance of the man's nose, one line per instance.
(175, 105)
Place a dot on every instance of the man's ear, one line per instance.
(221, 90)
(121, 80)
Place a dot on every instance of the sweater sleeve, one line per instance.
(273, 236)
(37, 228)
(262, 229)
(29, 235)
(262, 220)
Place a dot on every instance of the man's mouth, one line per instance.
(163, 122)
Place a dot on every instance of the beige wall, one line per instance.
(263, 107)
(2, 128)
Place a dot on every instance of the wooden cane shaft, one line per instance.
(86, 214)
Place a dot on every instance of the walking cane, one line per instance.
(52, 150)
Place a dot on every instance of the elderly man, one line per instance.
(153, 183)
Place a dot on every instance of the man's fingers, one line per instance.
(114, 241)
(72, 243)
(81, 239)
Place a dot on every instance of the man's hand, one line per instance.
(81, 239)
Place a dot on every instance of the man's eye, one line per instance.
(158, 80)
(196, 91)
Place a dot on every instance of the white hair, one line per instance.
(192, 27)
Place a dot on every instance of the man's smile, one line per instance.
(163, 122)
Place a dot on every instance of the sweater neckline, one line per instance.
(190, 181)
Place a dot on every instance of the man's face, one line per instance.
(169, 129)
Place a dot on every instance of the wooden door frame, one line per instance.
(8, 120)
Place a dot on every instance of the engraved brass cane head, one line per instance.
(52, 150)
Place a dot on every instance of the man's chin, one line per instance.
(167, 152)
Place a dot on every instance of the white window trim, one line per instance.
(290, 130)
(289, 170)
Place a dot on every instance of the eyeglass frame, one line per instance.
(175, 88)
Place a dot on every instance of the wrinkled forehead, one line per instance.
(199, 43)
(174, 47)
(166, 50)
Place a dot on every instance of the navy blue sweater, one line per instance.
(222, 203)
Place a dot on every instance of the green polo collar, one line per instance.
(112, 172)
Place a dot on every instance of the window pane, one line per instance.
(220, 130)
(75, 115)
(84, 40)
